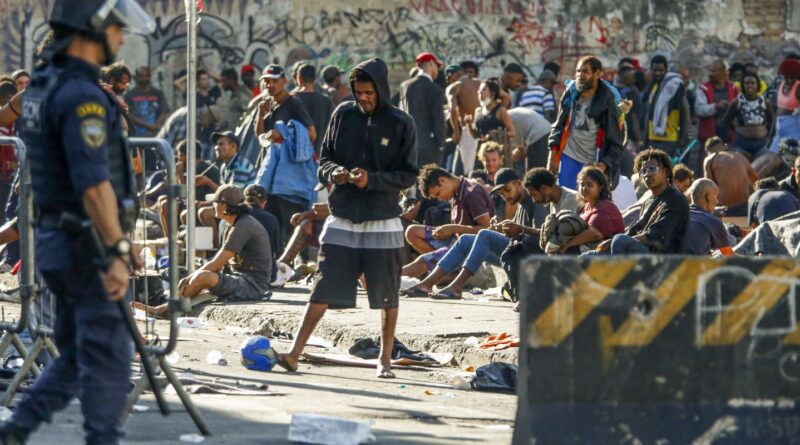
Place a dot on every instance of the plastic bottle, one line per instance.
(459, 382)
(149, 258)
(216, 358)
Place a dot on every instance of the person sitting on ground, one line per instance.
(491, 156)
(769, 202)
(733, 174)
(597, 209)
(470, 251)
(307, 229)
(750, 115)
(242, 268)
(682, 177)
(706, 231)
(471, 210)
(541, 185)
(790, 184)
(202, 169)
(236, 170)
(256, 197)
(662, 225)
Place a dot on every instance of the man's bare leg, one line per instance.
(414, 269)
(388, 327)
(415, 235)
(314, 313)
(297, 243)
(457, 286)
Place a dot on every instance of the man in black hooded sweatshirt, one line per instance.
(369, 154)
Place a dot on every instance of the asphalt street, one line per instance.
(419, 407)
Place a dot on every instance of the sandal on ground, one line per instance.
(445, 294)
(414, 292)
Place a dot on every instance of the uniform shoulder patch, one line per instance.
(91, 109)
(93, 132)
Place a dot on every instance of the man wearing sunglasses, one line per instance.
(662, 224)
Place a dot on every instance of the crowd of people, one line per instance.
(613, 161)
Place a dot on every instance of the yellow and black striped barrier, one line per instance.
(659, 349)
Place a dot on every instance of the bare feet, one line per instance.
(287, 362)
(385, 370)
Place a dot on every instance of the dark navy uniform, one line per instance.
(75, 141)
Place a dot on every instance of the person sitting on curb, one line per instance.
(769, 202)
(597, 209)
(307, 230)
(706, 232)
(471, 211)
(662, 225)
(245, 252)
(470, 251)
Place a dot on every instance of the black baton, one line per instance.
(144, 355)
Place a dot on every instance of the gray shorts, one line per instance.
(236, 288)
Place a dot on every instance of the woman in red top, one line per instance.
(602, 215)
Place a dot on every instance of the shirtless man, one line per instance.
(462, 99)
(732, 173)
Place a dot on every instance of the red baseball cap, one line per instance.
(247, 69)
(427, 57)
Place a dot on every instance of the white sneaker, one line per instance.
(284, 274)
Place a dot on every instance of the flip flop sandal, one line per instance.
(414, 292)
(445, 294)
(285, 364)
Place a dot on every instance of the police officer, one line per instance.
(83, 199)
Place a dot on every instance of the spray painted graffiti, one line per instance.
(493, 32)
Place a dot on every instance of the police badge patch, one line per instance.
(93, 132)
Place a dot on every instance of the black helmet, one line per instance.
(94, 16)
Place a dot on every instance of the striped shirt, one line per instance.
(538, 99)
(382, 234)
(239, 171)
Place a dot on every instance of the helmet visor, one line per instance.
(129, 14)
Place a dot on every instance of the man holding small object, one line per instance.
(370, 155)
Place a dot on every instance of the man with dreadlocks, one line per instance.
(661, 228)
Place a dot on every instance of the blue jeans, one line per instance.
(624, 244)
(568, 172)
(474, 250)
(787, 126)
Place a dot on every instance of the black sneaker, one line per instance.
(12, 434)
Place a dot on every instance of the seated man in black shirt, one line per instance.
(256, 198)
(662, 224)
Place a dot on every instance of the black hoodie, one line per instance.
(383, 143)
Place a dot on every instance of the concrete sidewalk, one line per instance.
(424, 324)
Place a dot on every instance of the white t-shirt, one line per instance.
(624, 195)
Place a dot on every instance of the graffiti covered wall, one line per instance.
(493, 32)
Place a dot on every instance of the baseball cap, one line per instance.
(454, 68)
(246, 69)
(503, 177)
(427, 57)
(229, 194)
(547, 75)
(255, 191)
(330, 72)
(224, 134)
(272, 72)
